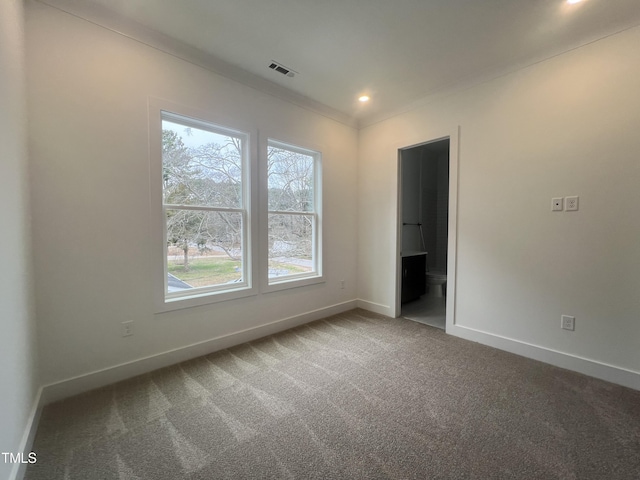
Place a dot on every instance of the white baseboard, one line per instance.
(19, 469)
(592, 368)
(100, 378)
(375, 307)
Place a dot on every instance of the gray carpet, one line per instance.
(353, 396)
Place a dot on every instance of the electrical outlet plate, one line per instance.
(568, 322)
(127, 328)
(557, 204)
(572, 203)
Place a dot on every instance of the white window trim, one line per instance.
(215, 294)
(303, 279)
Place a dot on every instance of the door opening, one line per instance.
(423, 231)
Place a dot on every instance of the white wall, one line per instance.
(88, 90)
(17, 347)
(566, 126)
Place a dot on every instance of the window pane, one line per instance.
(290, 180)
(290, 244)
(200, 167)
(204, 249)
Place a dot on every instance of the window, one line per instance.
(205, 199)
(211, 202)
(294, 213)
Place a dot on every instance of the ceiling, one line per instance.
(397, 52)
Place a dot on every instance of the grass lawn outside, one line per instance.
(217, 270)
(277, 269)
(206, 271)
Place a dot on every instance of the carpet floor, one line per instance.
(353, 396)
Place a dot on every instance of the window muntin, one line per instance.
(205, 194)
(293, 192)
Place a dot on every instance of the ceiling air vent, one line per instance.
(282, 69)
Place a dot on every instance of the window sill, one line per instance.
(203, 298)
(293, 282)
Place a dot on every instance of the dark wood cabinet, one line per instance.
(414, 279)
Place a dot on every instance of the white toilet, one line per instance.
(436, 280)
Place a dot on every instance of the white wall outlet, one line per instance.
(572, 203)
(557, 204)
(341, 284)
(127, 328)
(567, 322)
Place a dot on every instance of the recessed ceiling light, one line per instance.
(364, 98)
(574, 1)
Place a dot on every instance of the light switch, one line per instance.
(557, 204)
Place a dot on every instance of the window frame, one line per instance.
(302, 279)
(160, 110)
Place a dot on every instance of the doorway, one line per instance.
(423, 231)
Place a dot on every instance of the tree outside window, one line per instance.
(203, 171)
(293, 213)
